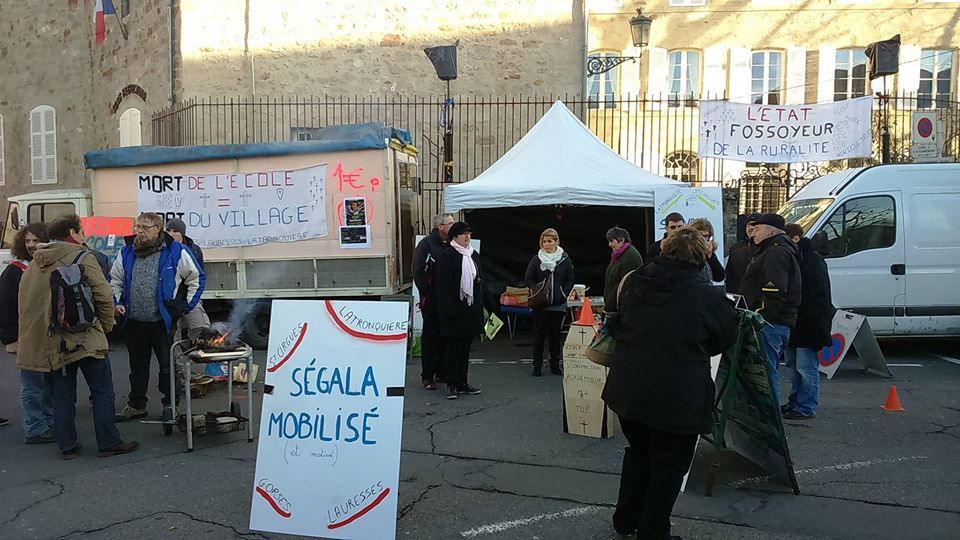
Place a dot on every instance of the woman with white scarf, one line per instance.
(552, 264)
(460, 305)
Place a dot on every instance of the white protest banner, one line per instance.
(786, 133)
(328, 457)
(691, 203)
(240, 209)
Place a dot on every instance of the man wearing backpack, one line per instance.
(155, 280)
(60, 335)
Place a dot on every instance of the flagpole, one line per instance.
(123, 29)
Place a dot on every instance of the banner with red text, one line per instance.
(240, 209)
(328, 457)
(786, 133)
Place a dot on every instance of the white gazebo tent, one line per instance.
(559, 161)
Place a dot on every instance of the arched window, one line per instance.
(683, 166)
(130, 128)
(43, 145)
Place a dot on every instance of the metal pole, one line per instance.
(448, 138)
(885, 130)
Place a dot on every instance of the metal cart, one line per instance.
(243, 352)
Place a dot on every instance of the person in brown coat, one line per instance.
(59, 355)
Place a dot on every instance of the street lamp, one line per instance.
(639, 30)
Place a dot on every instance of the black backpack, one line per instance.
(73, 309)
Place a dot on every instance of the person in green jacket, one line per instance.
(623, 259)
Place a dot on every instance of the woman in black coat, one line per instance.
(812, 331)
(671, 320)
(551, 263)
(460, 306)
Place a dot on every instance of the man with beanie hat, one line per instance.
(59, 354)
(771, 287)
(196, 319)
(740, 255)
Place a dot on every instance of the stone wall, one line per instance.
(48, 57)
(370, 47)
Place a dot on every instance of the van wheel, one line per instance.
(256, 329)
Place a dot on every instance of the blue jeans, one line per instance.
(775, 339)
(805, 388)
(36, 403)
(63, 388)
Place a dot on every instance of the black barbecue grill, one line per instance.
(214, 344)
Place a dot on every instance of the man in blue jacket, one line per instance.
(155, 280)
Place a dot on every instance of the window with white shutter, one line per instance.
(3, 164)
(130, 129)
(43, 145)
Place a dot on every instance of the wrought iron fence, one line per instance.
(657, 134)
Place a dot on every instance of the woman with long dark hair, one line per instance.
(35, 401)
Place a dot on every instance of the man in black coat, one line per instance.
(672, 222)
(740, 255)
(812, 331)
(771, 287)
(670, 321)
(425, 258)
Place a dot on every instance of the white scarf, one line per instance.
(548, 261)
(468, 272)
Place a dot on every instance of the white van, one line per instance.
(891, 237)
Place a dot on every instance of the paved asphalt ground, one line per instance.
(497, 465)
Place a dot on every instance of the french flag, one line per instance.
(103, 7)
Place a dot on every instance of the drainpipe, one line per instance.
(170, 48)
(585, 10)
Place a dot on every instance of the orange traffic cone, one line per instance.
(893, 400)
(586, 314)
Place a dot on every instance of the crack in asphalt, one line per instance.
(851, 499)
(238, 534)
(433, 446)
(406, 509)
(944, 430)
(714, 520)
(497, 491)
(35, 503)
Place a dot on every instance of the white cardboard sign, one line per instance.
(692, 203)
(328, 457)
(786, 133)
(240, 209)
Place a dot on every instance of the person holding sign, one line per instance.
(812, 331)
(460, 304)
(660, 384)
(552, 266)
(771, 287)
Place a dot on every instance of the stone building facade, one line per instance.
(61, 94)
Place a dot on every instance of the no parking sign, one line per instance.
(926, 136)
(852, 330)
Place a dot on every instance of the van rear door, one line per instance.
(932, 304)
(862, 241)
